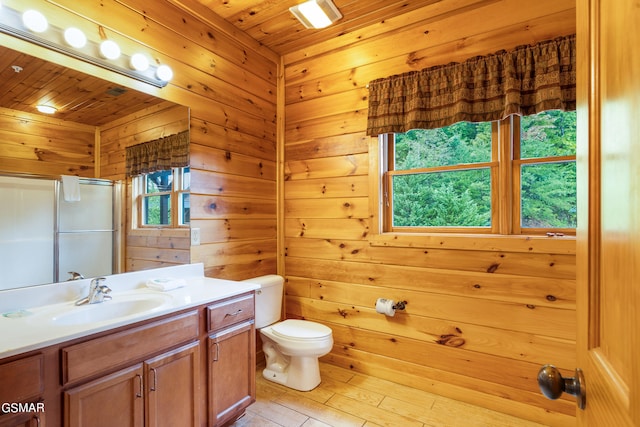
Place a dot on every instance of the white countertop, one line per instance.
(25, 323)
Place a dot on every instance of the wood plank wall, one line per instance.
(483, 314)
(34, 144)
(228, 81)
(467, 333)
(144, 248)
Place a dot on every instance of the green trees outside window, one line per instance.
(160, 195)
(462, 176)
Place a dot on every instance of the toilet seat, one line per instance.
(301, 330)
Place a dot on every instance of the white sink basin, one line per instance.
(119, 307)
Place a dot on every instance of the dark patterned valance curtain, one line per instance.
(527, 80)
(160, 154)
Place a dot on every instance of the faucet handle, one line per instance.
(75, 276)
(96, 282)
(103, 290)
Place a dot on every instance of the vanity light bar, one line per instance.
(53, 37)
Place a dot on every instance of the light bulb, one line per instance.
(314, 13)
(75, 38)
(35, 21)
(46, 109)
(139, 62)
(109, 49)
(164, 73)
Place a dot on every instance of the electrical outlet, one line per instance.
(195, 236)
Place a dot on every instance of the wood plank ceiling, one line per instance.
(28, 81)
(271, 23)
(91, 101)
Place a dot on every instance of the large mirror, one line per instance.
(94, 121)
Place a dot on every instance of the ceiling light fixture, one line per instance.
(46, 109)
(32, 26)
(316, 13)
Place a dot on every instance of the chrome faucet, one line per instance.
(75, 276)
(97, 292)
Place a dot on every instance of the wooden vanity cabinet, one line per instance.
(194, 368)
(22, 382)
(232, 358)
(162, 391)
(160, 388)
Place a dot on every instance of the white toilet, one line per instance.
(291, 347)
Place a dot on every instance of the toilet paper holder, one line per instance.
(388, 307)
(399, 305)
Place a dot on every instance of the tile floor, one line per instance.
(345, 398)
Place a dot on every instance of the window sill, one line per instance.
(161, 231)
(474, 242)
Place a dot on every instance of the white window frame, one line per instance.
(179, 191)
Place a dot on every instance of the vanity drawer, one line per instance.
(231, 311)
(101, 355)
(22, 380)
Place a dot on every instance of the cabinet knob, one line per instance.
(552, 384)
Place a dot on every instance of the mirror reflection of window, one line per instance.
(163, 199)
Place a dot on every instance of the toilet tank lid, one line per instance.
(301, 329)
(267, 280)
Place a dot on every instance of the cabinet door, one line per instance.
(23, 420)
(173, 388)
(232, 370)
(114, 400)
(22, 381)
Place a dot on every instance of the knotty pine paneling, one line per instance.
(343, 145)
(503, 262)
(331, 228)
(36, 144)
(145, 125)
(393, 279)
(149, 247)
(352, 164)
(228, 83)
(483, 313)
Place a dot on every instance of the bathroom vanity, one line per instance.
(184, 357)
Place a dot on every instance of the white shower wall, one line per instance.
(41, 240)
(27, 231)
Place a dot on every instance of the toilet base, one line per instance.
(276, 377)
(303, 374)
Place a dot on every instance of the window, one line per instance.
(516, 176)
(162, 198)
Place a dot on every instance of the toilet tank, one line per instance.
(268, 299)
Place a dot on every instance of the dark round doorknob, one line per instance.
(552, 384)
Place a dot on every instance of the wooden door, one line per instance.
(172, 383)
(609, 208)
(232, 372)
(114, 400)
